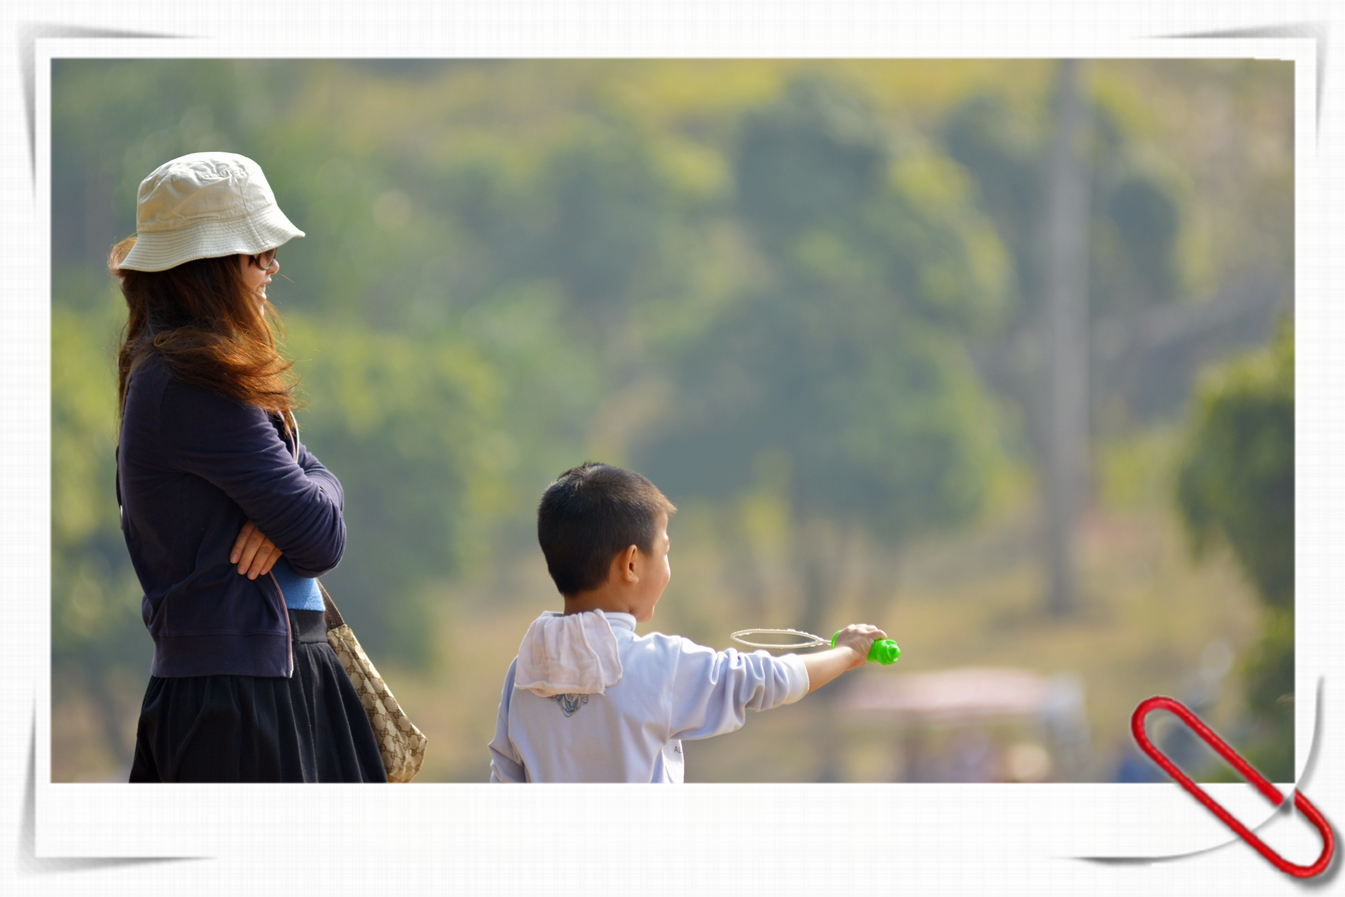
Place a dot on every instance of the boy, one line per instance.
(587, 700)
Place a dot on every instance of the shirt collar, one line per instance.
(625, 621)
(614, 618)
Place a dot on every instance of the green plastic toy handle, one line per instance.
(884, 650)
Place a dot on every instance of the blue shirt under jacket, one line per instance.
(301, 592)
(193, 468)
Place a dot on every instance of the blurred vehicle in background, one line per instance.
(974, 724)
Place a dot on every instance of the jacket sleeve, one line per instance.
(236, 448)
(713, 690)
(314, 470)
(505, 763)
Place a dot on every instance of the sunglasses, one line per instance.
(264, 260)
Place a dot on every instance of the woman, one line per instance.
(227, 516)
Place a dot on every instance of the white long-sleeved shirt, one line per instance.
(670, 689)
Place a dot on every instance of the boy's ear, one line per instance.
(626, 561)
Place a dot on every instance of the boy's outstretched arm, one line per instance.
(852, 650)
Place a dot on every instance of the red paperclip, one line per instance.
(1248, 772)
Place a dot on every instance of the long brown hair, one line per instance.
(202, 320)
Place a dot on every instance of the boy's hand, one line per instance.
(851, 651)
(859, 637)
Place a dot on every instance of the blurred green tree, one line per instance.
(1131, 225)
(844, 369)
(1135, 218)
(96, 630)
(1236, 488)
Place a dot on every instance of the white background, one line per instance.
(909, 839)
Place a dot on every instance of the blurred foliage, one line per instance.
(95, 624)
(762, 282)
(1236, 487)
(472, 312)
(1134, 226)
(1238, 479)
(844, 361)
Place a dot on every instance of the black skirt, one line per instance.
(308, 728)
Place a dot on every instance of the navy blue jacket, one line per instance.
(193, 468)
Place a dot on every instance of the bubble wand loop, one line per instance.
(884, 650)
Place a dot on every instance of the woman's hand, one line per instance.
(254, 554)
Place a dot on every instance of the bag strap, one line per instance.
(330, 613)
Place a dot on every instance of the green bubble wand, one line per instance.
(884, 650)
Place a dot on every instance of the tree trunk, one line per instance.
(1067, 319)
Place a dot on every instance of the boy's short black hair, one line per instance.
(588, 515)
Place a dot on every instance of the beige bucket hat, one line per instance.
(205, 205)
